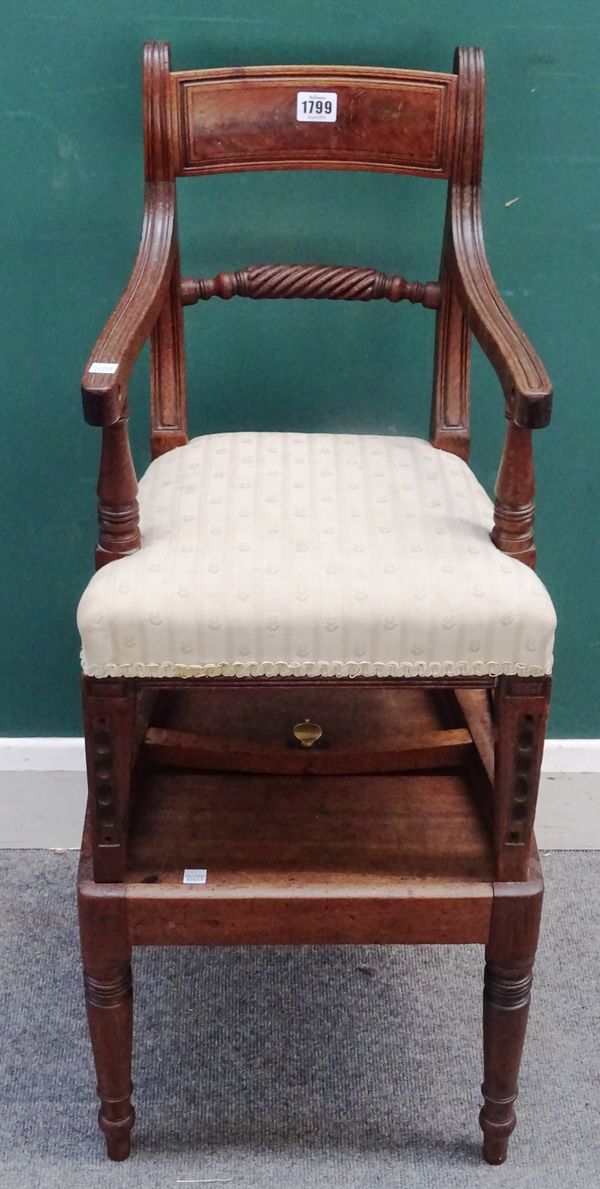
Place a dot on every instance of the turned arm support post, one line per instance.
(514, 507)
(118, 513)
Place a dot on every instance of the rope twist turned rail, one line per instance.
(310, 280)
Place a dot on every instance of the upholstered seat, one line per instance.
(269, 553)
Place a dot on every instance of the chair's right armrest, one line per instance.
(106, 374)
(524, 379)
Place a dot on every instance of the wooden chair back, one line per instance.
(312, 117)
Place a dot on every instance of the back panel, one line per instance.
(303, 117)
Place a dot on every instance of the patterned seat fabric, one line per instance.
(299, 554)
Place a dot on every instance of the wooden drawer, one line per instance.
(250, 726)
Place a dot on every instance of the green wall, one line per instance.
(72, 192)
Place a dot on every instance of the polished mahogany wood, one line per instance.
(514, 507)
(360, 880)
(526, 386)
(392, 120)
(435, 749)
(310, 280)
(476, 705)
(109, 1006)
(450, 407)
(105, 391)
(510, 954)
(118, 511)
(381, 858)
(106, 957)
(521, 714)
(167, 373)
(109, 721)
(411, 818)
(348, 859)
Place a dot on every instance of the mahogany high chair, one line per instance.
(316, 666)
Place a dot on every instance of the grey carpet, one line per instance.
(262, 1068)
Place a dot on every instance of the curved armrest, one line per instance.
(106, 374)
(522, 374)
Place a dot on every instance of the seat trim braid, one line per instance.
(320, 669)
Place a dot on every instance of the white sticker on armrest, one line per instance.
(316, 107)
(103, 369)
(194, 875)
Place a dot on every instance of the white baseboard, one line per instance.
(42, 755)
(571, 755)
(42, 794)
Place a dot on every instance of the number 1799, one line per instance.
(317, 105)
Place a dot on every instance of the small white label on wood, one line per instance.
(103, 369)
(316, 107)
(194, 875)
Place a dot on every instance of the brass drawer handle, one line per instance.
(307, 733)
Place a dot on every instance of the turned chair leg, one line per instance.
(109, 1005)
(510, 955)
(505, 1009)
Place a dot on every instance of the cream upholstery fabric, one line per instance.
(283, 554)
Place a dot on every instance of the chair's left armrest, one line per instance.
(526, 384)
(106, 374)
